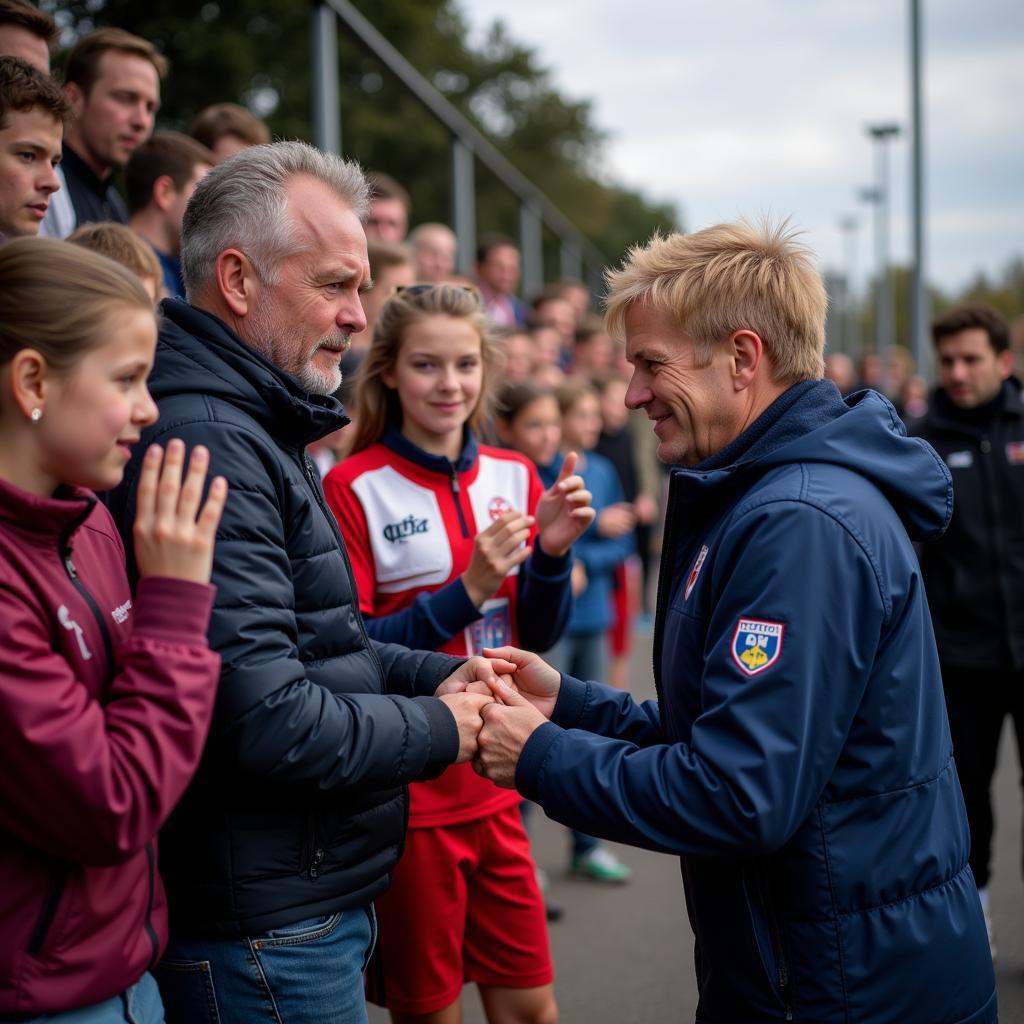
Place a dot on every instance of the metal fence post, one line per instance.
(323, 24)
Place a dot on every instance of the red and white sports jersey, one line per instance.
(410, 529)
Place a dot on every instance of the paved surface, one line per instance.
(623, 955)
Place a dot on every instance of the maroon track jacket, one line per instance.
(105, 702)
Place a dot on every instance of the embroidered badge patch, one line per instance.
(497, 507)
(960, 460)
(1015, 452)
(695, 572)
(756, 645)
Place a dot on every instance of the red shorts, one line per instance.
(464, 905)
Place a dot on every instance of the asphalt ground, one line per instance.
(624, 954)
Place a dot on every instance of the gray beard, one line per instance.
(266, 336)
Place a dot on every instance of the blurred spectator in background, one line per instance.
(112, 80)
(1017, 345)
(615, 443)
(593, 352)
(225, 128)
(26, 32)
(974, 573)
(549, 309)
(899, 368)
(391, 267)
(915, 398)
(160, 178)
(839, 369)
(33, 112)
(583, 650)
(870, 372)
(577, 294)
(389, 209)
(124, 246)
(434, 247)
(520, 355)
(498, 269)
(547, 344)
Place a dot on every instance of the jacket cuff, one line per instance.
(571, 702)
(173, 610)
(532, 757)
(444, 736)
(550, 566)
(451, 608)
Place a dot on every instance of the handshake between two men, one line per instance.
(498, 701)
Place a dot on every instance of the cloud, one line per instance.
(744, 106)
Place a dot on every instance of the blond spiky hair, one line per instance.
(727, 278)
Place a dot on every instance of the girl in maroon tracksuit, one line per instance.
(105, 696)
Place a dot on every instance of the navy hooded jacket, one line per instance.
(299, 805)
(798, 758)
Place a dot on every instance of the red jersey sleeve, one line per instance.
(351, 519)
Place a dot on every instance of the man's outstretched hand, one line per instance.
(509, 721)
(531, 675)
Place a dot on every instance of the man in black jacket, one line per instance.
(974, 574)
(297, 814)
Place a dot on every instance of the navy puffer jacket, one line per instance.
(799, 757)
(299, 806)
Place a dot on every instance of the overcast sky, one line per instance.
(747, 107)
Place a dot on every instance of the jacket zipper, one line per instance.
(453, 478)
(54, 891)
(308, 471)
(312, 853)
(781, 961)
(69, 568)
(151, 880)
(673, 528)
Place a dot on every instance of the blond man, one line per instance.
(798, 759)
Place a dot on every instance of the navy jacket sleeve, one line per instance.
(430, 621)
(544, 599)
(544, 604)
(271, 721)
(763, 746)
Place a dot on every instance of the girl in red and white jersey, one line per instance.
(455, 546)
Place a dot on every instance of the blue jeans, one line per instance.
(137, 1004)
(308, 972)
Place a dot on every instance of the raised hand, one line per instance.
(532, 676)
(172, 537)
(616, 520)
(564, 511)
(465, 708)
(508, 724)
(496, 551)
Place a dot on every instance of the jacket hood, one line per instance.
(199, 354)
(812, 423)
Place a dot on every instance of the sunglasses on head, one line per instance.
(421, 289)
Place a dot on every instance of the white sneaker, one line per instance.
(601, 865)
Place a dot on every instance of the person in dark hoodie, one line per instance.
(297, 815)
(105, 695)
(798, 758)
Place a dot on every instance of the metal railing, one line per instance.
(580, 258)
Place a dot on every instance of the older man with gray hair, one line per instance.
(298, 812)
